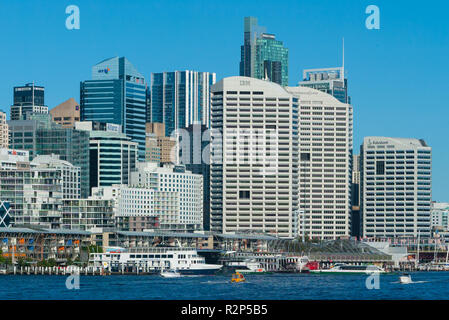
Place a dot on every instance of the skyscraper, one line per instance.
(112, 156)
(254, 165)
(325, 163)
(262, 56)
(179, 99)
(28, 99)
(40, 136)
(396, 177)
(4, 131)
(116, 94)
(194, 153)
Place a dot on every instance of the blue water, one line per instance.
(429, 285)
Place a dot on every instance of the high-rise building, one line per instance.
(159, 148)
(328, 80)
(116, 94)
(440, 216)
(28, 99)
(179, 99)
(112, 154)
(194, 153)
(40, 136)
(254, 158)
(4, 131)
(187, 186)
(66, 113)
(325, 163)
(262, 56)
(356, 221)
(396, 178)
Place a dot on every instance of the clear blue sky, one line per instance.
(397, 75)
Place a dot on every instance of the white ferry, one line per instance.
(346, 268)
(186, 261)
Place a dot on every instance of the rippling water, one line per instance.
(428, 285)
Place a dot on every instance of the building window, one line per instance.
(380, 167)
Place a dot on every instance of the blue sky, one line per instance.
(397, 75)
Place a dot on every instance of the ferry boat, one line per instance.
(185, 261)
(351, 269)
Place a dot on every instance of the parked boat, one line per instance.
(252, 267)
(185, 261)
(351, 269)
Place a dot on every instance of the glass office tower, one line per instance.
(180, 98)
(262, 56)
(116, 94)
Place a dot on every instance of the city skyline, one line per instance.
(384, 67)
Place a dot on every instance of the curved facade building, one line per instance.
(254, 158)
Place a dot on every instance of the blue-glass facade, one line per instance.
(179, 99)
(116, 94)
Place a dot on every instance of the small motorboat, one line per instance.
(405, 279)
(237, 277)
(170, 274)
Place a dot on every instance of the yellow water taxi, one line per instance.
(238, 277)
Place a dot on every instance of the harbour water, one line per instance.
(427, 285)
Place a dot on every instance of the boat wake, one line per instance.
(411, 282)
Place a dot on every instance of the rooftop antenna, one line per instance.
(343, 64)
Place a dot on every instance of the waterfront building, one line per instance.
(87, 214)
(14, 159)
(262, 56)
(116, 94)
(170, 178)
(396, 191)
(328, 80)
(40, 136)
(159, 148)
(28, 99)
(35, 193)
(66, 113)
(5, 216)
(194, 153)
(325, 163)
(139, 209)
(70, 175)
(4, 131)
(112, 154)
(37, 243)
(254, 158)
(180, 98)
(440, 216)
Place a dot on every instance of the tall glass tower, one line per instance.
(262, 56)
(179, 99)
(116, 94)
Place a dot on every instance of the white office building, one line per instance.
(325, 164)
(396, 177)
(254, 158)
(178, 199)
(440, 216)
